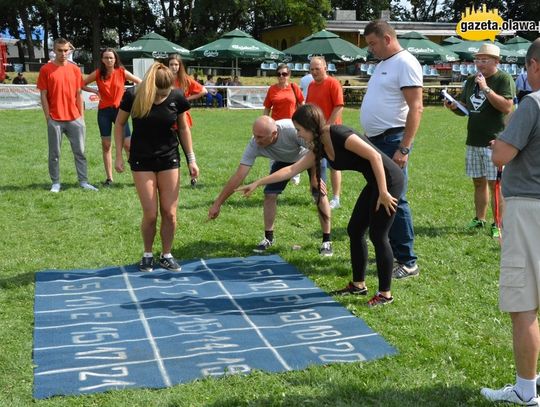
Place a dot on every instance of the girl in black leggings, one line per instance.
(376, 206)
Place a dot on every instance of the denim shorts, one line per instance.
(279, 187)
(106, 118)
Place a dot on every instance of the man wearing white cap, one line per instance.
(488, 96)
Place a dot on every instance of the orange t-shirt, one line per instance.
(62, 83)
(327, 95)
(194, 87)
(282, 101)
(111, 89)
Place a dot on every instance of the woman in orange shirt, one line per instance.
(282, 99)
(110, 78)
(192, 89)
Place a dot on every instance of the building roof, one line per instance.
(427, 28)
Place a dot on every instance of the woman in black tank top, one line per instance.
(376, 205)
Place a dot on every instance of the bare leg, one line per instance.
(168, 187)
(335, 177)
(269, 210)
(146, 185)
(107, 156)
(526, 340)
(481, 197)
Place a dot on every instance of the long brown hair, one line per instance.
(311, 118)
(157, 77)
(181, 75)
(102, 68)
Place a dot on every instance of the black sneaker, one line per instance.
(108, 182)
(263, 245)
(146, 264)
(169, 263)
(351, 289)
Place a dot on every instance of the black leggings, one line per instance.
(365, 217)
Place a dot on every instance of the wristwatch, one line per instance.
(404, 150)
(487, 90)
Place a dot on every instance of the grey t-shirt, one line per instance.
(521, 176)
(288, 148)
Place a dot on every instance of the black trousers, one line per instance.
(364, 218)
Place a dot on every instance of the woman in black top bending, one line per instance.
(376, 206)
(154, 157)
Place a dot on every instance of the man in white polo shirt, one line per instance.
(390, 115)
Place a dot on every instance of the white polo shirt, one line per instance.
(384, 106)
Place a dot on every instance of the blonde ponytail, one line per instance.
(157, 77)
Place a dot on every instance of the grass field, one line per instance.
(451, 338)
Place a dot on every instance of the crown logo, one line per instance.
(478, 25)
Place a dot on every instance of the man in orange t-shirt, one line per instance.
(326, 92)
(60, 84)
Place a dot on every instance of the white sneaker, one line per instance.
(86, 185)
(508, 394)
(296, 179)
(335, 204)
(55, 188)
(326, 249)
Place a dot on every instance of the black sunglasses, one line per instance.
(283, 74)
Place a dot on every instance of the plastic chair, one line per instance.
(433, 72)
(305, 67)
(290, 65)
(265, 66)
(463, 70)
(425, 70)
(371, 69)
(298, 67)
(455, 68)
(364, 67)
(273, 66)
(332, 68)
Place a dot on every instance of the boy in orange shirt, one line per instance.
(60, 85)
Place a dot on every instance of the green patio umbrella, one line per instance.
(152, 46)
(519, 45)
(451, 40)
(426, 51)
(237, 46)
(326, 43)
(467, 50)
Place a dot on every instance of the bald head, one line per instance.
(317, 68)
(533, 52)
(532, 62)
(264, 131)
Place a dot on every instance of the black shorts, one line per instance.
(155, 164)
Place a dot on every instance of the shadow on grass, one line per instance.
(252, 202)
(208, 249)
(345, 395)
(20, 280)
(45, 187)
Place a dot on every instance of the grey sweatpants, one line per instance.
(75, 131)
